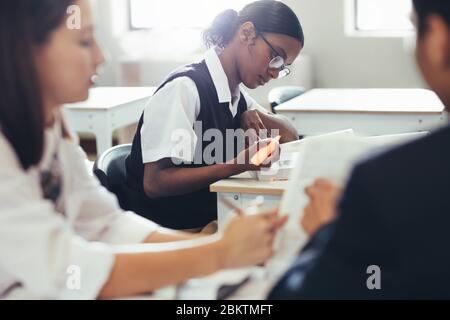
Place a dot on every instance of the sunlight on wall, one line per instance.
(179, 13)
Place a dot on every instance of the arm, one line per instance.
(162, 178)
(272, 122)
(144, 272)
(258, 118)
(167, 235)
(246, 241)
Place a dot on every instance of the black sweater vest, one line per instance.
(196, 209)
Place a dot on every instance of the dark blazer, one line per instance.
(394, 214)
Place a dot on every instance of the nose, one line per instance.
(99, 58)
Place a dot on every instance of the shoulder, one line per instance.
(413, 166)
(178, 86)
(418, 153)
(179, 91)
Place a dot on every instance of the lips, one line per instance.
(93, 79)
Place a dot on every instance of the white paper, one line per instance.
(332, 157)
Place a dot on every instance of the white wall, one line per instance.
(338, 60)
(342, 61)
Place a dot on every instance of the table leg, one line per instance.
(103, 134)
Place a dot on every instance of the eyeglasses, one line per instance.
(277, 61)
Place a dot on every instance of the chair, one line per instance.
(280, 95)
(110, 170)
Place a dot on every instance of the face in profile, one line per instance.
(433, 55)
(67, 62)
(256, 53)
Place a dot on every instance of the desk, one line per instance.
(241, 191)
(107, 109)
(367, 111)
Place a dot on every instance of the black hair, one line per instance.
(266, 15)
(425, 8)
(24, 25)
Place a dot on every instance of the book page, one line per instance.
(333, 158)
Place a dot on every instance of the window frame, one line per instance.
(352, 29)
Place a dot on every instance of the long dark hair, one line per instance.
(266, 15)
(24, 25)
(425, 8)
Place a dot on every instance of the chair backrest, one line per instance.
(280, 95)
(110, 170)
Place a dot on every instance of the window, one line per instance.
(382, 16)
(146, 14)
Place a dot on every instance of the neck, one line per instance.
(50, 113)
(228, 62)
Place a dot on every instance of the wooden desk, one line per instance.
(107, 109)
(367, 111)
(241, 191)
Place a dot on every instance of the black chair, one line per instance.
(110, 170)
(280, 95)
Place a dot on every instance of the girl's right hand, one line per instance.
(243, 160)
(248, 239)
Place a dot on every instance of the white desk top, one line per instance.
(366, 101)
(104, 98)
(249, 186)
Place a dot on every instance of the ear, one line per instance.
(437, 42)
(247, 33)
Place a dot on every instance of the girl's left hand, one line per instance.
(251, 120)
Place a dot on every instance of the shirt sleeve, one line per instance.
(169, 116)
(38, 247)
(95, 212)
(252, 104)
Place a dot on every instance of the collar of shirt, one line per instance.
(220, 80)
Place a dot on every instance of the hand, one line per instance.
(243, 159)
(321, 209)
(250, 120)
(248, 240)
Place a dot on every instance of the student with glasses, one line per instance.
(247, 48)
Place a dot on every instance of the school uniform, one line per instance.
(56, 221)
(196, 93)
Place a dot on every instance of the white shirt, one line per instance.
(40, 241)
(177, 105)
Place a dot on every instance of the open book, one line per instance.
(289, 154)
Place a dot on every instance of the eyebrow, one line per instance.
(281, 50)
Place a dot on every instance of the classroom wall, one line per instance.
(342, 61)
(337, 60)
